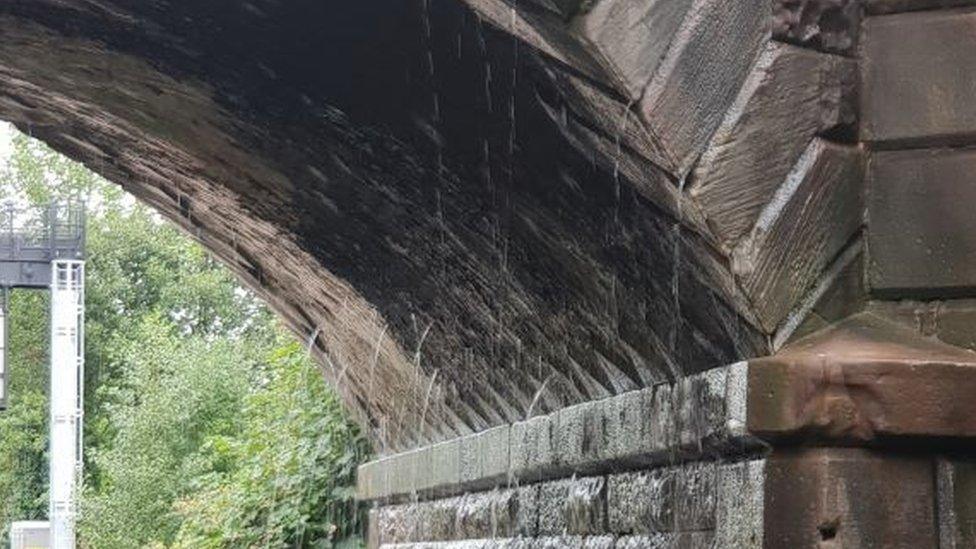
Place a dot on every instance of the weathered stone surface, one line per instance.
(826, 25)
(527, 514)
(695, 494)
(533, 447)
(847, 497)
(791, 95)
(573, 506)
(681, 540)
(922, 234)
(952, 321)
(844, 294)
(956, 485)
(619, 127)
(699, 78)
(484, 458)
(740, 514)
(918, 78)
(581, 439)
(816, 211)
(895, 6)
(444, 465)
(698, 416)
(545, 32)
(863, 380)
(652, 182)
(627, 426)
(641, 502)
(631, 37)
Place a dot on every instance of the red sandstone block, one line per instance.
(849, 497)
(919, 77)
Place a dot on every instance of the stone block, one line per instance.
(533, 450)
(695, 494)
(572, 506)
(632, 37)
(598, 542)
(896, 6)
(862, 380)
(826, 25)
(661, 429)
(919, 74)
(412, 471)
(471, 460)
(487, 515)
(956, 483)
(811, 217)
(736, 399)
(495, 455)
(527, 512)
(444, 465)
(585, 506)
(849, 497)
(373, 529)
(392, 524)
(625, 419)
(366, 482)
(441, 521)
(668, 540)
(739, 505)
(921, 231)
(706, 64)
(580, 437)
(474, 520)
(791, 96)
(484, 458)
(552, 508)
(641, 502)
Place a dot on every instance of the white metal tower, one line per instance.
(67, 383)
(44, 249)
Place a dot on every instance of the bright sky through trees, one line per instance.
(206, 425)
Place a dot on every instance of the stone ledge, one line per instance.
(701, 415)
(864, 381)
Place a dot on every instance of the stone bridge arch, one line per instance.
(480, 213)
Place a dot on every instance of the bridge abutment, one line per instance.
(861, 435)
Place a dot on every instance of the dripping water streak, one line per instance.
(538, 395)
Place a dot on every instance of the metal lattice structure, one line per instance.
(43, 248)
(31, 238)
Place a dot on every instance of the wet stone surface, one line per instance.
(827, 25)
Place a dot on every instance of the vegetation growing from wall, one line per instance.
(206, 426)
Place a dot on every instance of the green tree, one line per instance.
(205, 425)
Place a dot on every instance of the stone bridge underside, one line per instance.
(466, 231)
(480, 212)
(518, 226)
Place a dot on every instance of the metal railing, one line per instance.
(57, 230)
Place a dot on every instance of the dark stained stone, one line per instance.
(921, 227)
(847, 497)
(919, 76)
(825, 25)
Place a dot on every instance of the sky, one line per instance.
(6, 140)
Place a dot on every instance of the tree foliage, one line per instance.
(206, 426)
